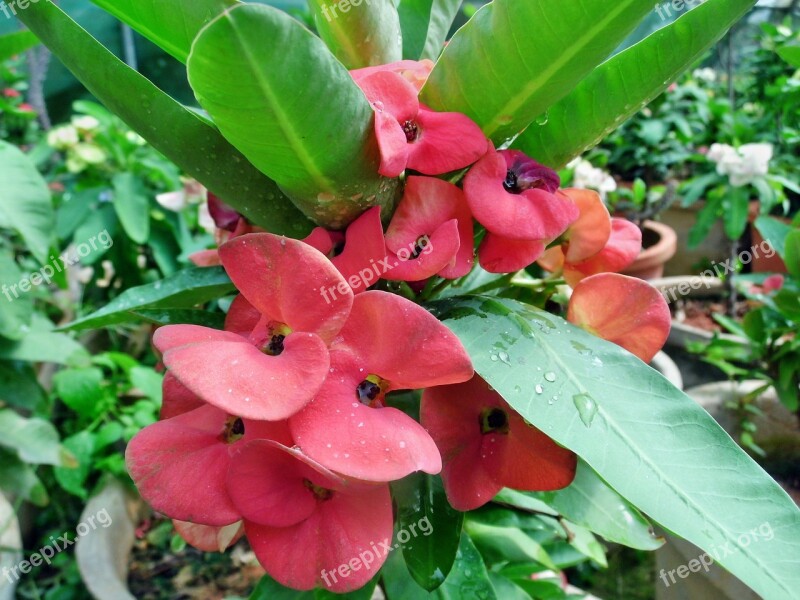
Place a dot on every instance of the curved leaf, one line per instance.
(646, 438)
(425, 25)
(16, 43)
(515, 58)
(625, 83)
(360, 33)
(170, 24)
(16, 307)
(177, 132)
(279, 95)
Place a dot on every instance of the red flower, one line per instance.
(25, 107)
(413, 136)
(486, 446)
(431, 232)
(309, 527)
(415, 72)
(589, 234)
(632, 313)
(275, 370)
(180, 465)
(359, 253)
(387, 344)
(11, 93)
(514, 197)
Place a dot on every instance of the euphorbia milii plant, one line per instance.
(424, 333)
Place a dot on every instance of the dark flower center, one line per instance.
(510, 182)
(275, 345)
(367, 391)
(494, 420)
(233, 431)
(338, 248)
(320, 493)
(411, 130)
(420, 245)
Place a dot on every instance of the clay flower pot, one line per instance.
(659, 244)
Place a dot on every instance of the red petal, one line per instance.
(173, 336)
(392, 143)
(632, 313)
(589, 234)
(403, 343)
(502, 255)
(207, 538)
(446, 142)
(238, 378)
(242, 317)
(621, 250)
(534, 214)
(391, 94)
(351, 438)
(177, 398)
(279, 277)
(364, 247)
(205, 258)
(416, 72)
(320, 239)
(350, 532)
(439, 253)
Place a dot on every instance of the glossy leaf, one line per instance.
(432, 526)
(15, 43)
(170, 24)
(468, 578)
(516, 58)
(172, 316)
(25, 201)
(425, 25)
(184, 289)
(132, 206)
(790, 54)
(269, 589)
(630, 424)
(360, 33)
(177, 132)
(625, 83)
(278, 94)
(511, 543)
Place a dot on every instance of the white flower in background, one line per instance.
(62, 138)
(204, 219)
(742, 165)
(135, 138)
(85, 123)
(192, 192)
(708, 75)
(585, 175)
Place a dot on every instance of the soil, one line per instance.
(159, 573)
(699, 312)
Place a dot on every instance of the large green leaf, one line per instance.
(647, 439)
(177, 132)
(16, 306)
(15, 43)
(182, 290)
(432, 528)
(515, 58)
(792, 253)
(625, 83)
(25, 201)
(425, 25)
(366, 33)
(171, 24)
(278, 94)
(132, 206)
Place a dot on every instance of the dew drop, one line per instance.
(550, 376)
(539, 389)
(587, 408)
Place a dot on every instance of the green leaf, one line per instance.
(467, 579)
(516, 58)
(249, 68)
(15, 43)
(19, 387)
(425, 25)
(184, 289)
(177, 132)
(147, 381)
(132, 206)
(734, 213)
(33, 440)
(625, 83)
(774, 233)
(170, 316)
(791, 253)
(511, 543)
(170, 24)
(42, 344)
(366, 34)
(73, 480)
(432, 526)
(19, 479)
(591, 502)
(16, 306)
(81, 390)
(25, 201)
(790, 54)
(269, 589)
(650, 442)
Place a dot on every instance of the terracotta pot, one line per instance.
(761, 263)
(660, 242)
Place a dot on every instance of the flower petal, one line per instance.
(622, 248)
(502, 255)
(589, 234)
(277, 275)
(403, 343)
(208, 538)
(364, 246)
(446, 142)
(633, 314)
(177, 398)
(242, 317)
